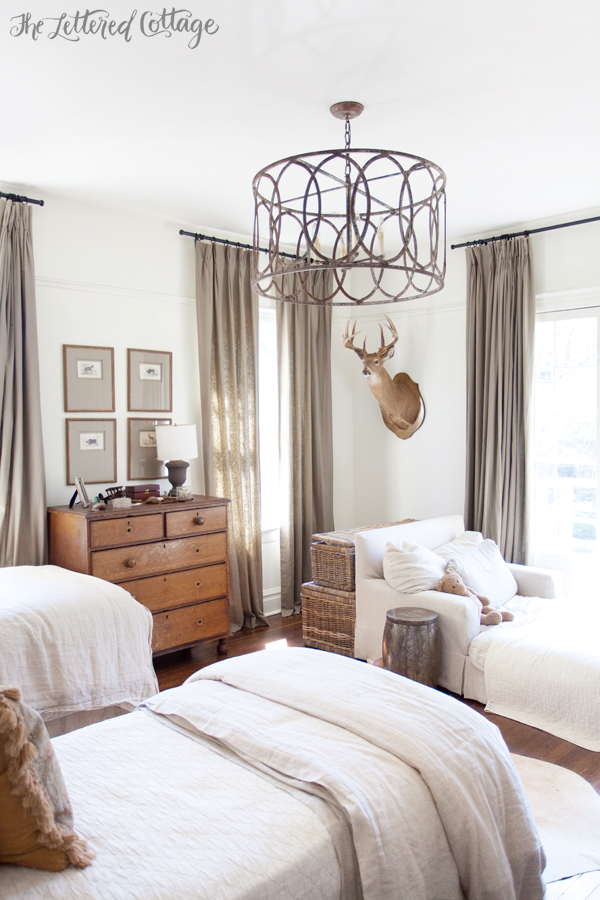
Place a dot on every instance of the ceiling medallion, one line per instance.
(375, 218)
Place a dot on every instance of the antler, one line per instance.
(387, 349)
(349, 339)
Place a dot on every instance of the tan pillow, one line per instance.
(36, 825)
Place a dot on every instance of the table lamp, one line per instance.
(175, 444)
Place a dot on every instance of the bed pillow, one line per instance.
(36, 825)
(484, 571)
(463, 542)
(410, 568)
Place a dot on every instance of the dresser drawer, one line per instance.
(195, 521)
(190, 624)
(126, 530)
(163, 556)
(177, 588)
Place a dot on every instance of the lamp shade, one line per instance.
(176, 442)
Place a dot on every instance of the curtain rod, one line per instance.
(216, 240)
(18, 199)
(506, 237)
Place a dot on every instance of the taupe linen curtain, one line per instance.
(228, 350)
(22, 477)
(305, 435)
(500, 335)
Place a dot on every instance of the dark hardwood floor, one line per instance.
(173, 668)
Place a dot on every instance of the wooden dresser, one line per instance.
(171, 557)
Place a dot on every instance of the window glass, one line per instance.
(566, 444)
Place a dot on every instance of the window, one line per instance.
(268, 419)
(566, 443)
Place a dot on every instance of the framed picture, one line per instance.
(91, 450)
(89, 378)
(149, 387)
(141, 450)
(81, 491)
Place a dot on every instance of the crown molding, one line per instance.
(572, 299)
(107, 290)
(400, 310)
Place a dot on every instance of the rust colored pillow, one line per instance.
(36, 825)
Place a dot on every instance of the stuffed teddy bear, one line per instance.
(452, 583)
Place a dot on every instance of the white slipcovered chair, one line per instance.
(458, 617)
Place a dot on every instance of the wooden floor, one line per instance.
(172, 669)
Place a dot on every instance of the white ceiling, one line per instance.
(503, 96)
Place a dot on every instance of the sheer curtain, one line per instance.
(22, 477)
(228, 358)
(305, 435)
(500, 335)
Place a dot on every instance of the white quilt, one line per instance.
(73, 642)
(361, 737)
(543, 669)
(170, 819)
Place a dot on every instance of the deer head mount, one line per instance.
(399, 397)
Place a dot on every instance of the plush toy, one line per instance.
(452, 583)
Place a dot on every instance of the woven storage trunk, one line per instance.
(328, 617)
(333, 565)
(333, 556)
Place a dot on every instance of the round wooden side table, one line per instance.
(411, 644)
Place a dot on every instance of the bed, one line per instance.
(78, 647)
(294, 774)
(542, 668)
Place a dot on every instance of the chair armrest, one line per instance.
(535, 582)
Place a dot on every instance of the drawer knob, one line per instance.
(130, 562)
(199, 621)
(199, 520)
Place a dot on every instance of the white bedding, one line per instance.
(543, 669)
(363, 730)
(174, 818)
(72, 642)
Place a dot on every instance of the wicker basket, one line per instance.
(333, 556)
(333, 565)
(328, 618)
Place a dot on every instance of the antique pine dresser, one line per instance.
(171, 557)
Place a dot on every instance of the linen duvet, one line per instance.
(294, 773)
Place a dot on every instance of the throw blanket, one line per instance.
(73, 642)
(349, 731)
(546, 672)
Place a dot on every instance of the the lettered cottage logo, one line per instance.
(75, 26)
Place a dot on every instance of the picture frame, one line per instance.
(142, 462)
(81, 491)
(91, 450)
(149, 380)
(89, 378)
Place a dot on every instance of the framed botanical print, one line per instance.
(91, 450)
(89, 378)
(149, 385)
(142, 462)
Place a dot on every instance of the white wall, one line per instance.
(108, 278)
(112, 278)
(378, 477)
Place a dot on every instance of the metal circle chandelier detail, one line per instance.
(375, 218)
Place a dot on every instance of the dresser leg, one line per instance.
(222, 647)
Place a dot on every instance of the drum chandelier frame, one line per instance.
(375, 218)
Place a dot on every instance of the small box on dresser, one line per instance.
(171, 557)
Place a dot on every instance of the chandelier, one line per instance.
(376, 219)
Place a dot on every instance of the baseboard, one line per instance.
(272, 601)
